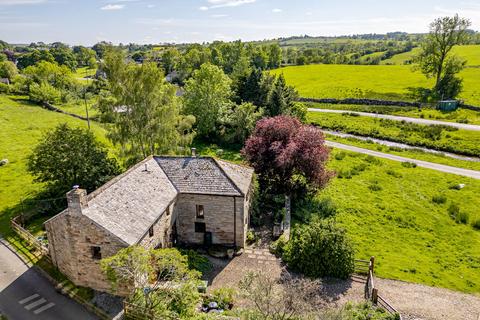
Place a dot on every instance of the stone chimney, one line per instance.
(77, 200)
(194, 152)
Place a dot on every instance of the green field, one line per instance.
(460, 115)
(412, 238)
(408, 153)
(439, 138)
(369, 81)
(22, 126)
(471, 53)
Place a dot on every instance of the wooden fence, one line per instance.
(40, 248)
(371, 291)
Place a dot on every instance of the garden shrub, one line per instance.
(374, 186)
(320, 249)
(196, 261)
(224, 297)
(371, 159)
(344, 174)
(278, 246)
(439, 199)
(250, 236)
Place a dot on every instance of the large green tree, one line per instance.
(8, 70)
(207, 97)
(436, 59)
(145, 109)
(71, 156)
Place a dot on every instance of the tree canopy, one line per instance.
(144, 108)
(71, 156)
(436, 60)
(287, 154)
(207, 97)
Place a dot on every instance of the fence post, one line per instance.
(372, 263)
(374, 295)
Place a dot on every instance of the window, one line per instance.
(200, 227)
(150, 231)
(200, 212)
(96, 252)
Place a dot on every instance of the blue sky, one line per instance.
(153, 21)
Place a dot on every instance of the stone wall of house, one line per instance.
(71, 237)
(218, 219)
(162, 230)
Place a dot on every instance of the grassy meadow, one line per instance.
(434, 137)
(389, 82)
(388, 211)
(23, 124)
(471, 53)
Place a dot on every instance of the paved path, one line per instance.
(430, 165)
(26, 295)
(471, 127)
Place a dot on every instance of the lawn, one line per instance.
(412, 238)
(369, 81)
(434, 137)
(460, 115)
(84, 72)
(411, 153)
(23, 124)
(78, 107)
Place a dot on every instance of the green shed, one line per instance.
(447, 105)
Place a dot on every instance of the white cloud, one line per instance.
(110, 7)
(277, 10)
(228, 3)
(20, 2)
(151, 6)
(203, 8)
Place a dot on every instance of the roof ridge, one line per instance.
(228, 177)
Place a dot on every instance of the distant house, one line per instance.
(5, 81)
(160, 202)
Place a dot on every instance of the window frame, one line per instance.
(200, 227)
(200, 211)
(96, 252)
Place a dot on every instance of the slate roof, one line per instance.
(132, 202)
(129, 204)
(198, 175)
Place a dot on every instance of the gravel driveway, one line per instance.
(414, 301)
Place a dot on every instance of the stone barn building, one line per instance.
(160, 202)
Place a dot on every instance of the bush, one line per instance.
(224, 297)
(393, 173)
(453, 210)
(476, 224)
(196, 261)
(407, 164)
(375, 186)
(43, 92)
(250, 236)
(278, 246)
(340, 155)
(320, 249)
(439, 199)
(462, 217)
(4, 88)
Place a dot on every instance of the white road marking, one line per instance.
(29, 298)
(35, 304)
(45, 307)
